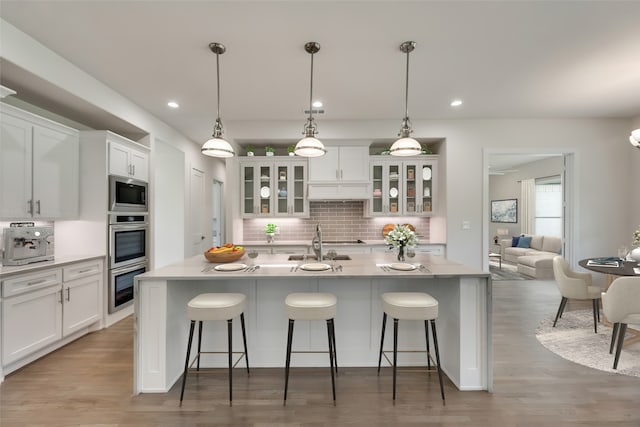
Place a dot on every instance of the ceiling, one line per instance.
(509, 59)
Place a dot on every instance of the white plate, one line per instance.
(264, 192)
(402, 266)
(426, 173)
(230, 267)
(315, 266)
(393, 192)
(427, 192)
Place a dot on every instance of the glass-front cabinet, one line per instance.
(403, 187)
(273, 187)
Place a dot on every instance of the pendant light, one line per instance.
(310, 146)
(634, 138)
(217, 146)
(405, 145)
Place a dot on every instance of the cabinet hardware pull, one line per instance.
(38, 206)
(36, 282)
(30, 206)
(84, 271)
(340, 173)
(60, 293)
(68, 294)
(133, 169)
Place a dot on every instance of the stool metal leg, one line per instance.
(384, 323)
(426, 331)
(331, 354)
(230, 334)
(288, 359)
(335, 352)
(244, 339)
(186, 362)
(435, 346)
(622, 330)
(199, 343)
(395, 355)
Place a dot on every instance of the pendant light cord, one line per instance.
(311, 92)
(406, 90)
(218, 79)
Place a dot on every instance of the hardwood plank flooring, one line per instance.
(89, 382)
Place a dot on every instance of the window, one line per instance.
(548, 219)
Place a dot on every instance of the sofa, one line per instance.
(532, 255)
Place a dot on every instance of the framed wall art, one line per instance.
(504, 210)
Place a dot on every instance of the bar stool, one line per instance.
(216, 306)
(410, 306)
(311, 306)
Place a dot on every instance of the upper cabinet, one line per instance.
(273, 186)
(403, 187)
(342, 173)
(127, 158)
(39, 162)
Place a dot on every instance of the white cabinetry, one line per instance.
(403, 187)
(342, 173)
(273, 187)
(40, 309)
(127, 158)
(39, 167)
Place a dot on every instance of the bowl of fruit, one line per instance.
(225, 253)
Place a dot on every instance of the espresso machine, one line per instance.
(24, 245)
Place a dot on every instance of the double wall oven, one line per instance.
(128, 255)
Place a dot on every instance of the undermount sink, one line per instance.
(313, 257)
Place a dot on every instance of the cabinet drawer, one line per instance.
(82, 269)
(30, 282)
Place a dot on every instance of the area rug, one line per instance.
(573, 339)
(507, 272)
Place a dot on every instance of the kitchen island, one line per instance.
(463, 325)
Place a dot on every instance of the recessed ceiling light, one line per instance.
(456, 103)
(173, 104)
(317, 104)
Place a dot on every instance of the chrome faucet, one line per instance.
(316, 243)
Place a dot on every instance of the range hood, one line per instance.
(339, 191)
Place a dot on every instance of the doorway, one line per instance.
(505, 171)
(217, 220)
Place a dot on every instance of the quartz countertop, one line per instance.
(58, 261)
(308, 243)
(278, 265)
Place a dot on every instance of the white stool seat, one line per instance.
(410, 305)
(222, 306)
(310, 306)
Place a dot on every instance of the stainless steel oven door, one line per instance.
(127, 244)
(121, 286)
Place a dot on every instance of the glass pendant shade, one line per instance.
(217, 146)
(309, 146)
(634, 139)
(406, 146)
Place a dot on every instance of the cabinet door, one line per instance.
(297, 190)
(377, 203)
(266, 191)
(81, 303)
(426, 188)
(354, 163)
(410, 173)
(283, 178)
(139, 165)
(249, 184)
(15, 167)
(119, 159)
(30, 322)
(56, 184)
(325, 168)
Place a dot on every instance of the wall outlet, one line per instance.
(466, 225)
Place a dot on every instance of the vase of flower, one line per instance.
(270, 232)
(401, 253)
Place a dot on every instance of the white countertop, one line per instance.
(277, 265)
(308, 243)
(58, 261)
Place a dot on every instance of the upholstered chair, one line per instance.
(575, 285)
(621, 305)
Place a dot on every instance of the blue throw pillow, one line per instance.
(514, 241)
(524, 242)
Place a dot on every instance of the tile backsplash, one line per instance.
(340, 220)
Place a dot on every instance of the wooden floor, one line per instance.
(89, 382)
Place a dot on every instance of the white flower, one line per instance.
(400, 236)
(636, 237)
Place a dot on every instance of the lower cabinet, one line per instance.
(39, 309)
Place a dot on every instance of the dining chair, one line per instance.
(621, 305)
(575, 285)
